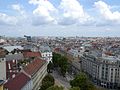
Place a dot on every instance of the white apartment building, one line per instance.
(46, 53)
(104, 71)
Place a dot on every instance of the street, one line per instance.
(62, 81)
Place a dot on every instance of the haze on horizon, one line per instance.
(60, 17)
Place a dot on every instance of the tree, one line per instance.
(55, 88)
(63, 64)
(47, 82)
(82, 82)
(91, 86)
(55, 59)
(46, 85)
(49, 78)
(49, 67)
(75, 88)
(63, 70)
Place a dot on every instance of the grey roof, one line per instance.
(45, 49)
(11, 48)
(111, 59)
(27, 46)
(96, 53)
(18, 56)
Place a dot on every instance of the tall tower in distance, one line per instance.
(28, 38)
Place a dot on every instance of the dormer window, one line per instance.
(9, 66)
(13, 61)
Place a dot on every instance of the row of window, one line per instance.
(44, 55)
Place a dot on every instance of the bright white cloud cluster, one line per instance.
(14, 20)
(7, 20)
(44, 13)
(73, 12)
(67, 13)
(106, 13)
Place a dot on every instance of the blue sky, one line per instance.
(60, 17)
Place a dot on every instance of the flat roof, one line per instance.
(114, 59)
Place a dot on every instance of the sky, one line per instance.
(60, 18)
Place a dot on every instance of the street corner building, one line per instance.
(36, 70)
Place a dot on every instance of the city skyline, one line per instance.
(60, 17)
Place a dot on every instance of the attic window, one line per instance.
(9, 66)
(13, 76)
(13, 61)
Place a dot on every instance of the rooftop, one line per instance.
(31, 54)
(18, 56)
(111, 58)
(11, 48)
(45, 49)
(33, 67)
(18, 82)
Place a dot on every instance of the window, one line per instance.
(111, 73)
(106, 68)
(2, 59)
(111, 80)
(111, 76)
(13, 75)
(9, 66)
(13, 61)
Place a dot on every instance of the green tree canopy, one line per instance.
(61, 62)
(55, 59)
(46, 85)
(74, 88)
(49, 78)
(55, 88)
(47, 82)
(82, 82)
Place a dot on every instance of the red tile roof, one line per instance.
(31, 54)
(18, 82)
(33, 67)
(57, 49)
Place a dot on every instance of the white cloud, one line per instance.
(67, 13)
(16, 7)
(7, 20)
(19, 8)
(106, 13)
(44, 13)
(73, 12)
(20, 19)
